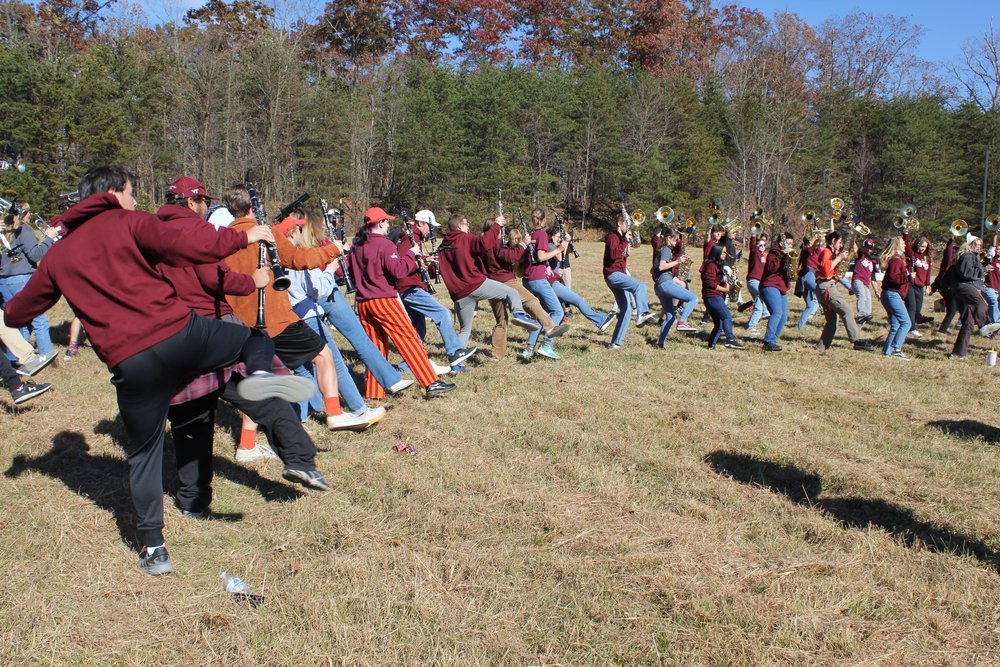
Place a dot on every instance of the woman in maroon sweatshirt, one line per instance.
(774, 290)
(942, 287)
(714, 288)
(106, 267)
(895, 285)
(919, 258)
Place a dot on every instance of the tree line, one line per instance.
(441, 103)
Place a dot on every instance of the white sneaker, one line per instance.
(347, 422)
(645, 317)
(373, 415)
(989, 329)
(914, 334)
(256, 454)
(440, 370)
(400, 386)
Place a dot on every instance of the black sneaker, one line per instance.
(863, 345)
(36, 362)
(459, 356)
(772, 347)
(27, 391)
(156, 561)
(439, 388)
(310, 478)
(734, 345)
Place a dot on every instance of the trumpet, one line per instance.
(664, 215)
(959, 228)
(992, 223)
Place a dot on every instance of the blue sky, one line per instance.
(947, 25)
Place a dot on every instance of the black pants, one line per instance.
(7, 373)
(973, 310)
(914, 304)
(952, 308)
(145, 383)
(192, 425)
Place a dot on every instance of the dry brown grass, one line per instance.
(638, 507)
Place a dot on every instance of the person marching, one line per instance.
(992, 287)
(376, 266)
(669, 289)
(942, 286)
(895, 284)
(808, 261)
(459, 262)
(540, 278)
(152, 343)
(966, 279)
(563, 292)
(755, 271)
(415, 293)
(500, 265)
(774, 284)
(714, 288)
(863, 280)
(833, 302)
(919, 259)
(616, 250)
(20, 254)
(294, 342)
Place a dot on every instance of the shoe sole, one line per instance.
(525, 325)
(254, 457)
(409, 383)
(557, 331)
(158, 569)
(34, 394)
(438, 392)
(291, 388)
(549, 356)
(604, 327)
(43, 361)
(348, 426)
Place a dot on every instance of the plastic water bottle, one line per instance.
(991, 359)
(239, 589)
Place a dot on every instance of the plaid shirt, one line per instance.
(209, 383)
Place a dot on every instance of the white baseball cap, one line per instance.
(427, 216)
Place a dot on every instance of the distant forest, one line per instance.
(439, 103)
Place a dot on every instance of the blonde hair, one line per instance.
(313, 232)
(967, 246)
(515, 235)
(895, 248)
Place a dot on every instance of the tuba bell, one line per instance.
(908, 211)
(992, 223)
(664, 215)
(959, 228)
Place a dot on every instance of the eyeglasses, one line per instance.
(198, 199)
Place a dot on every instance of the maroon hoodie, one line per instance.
(755, 265)
(413, 278)
(897, 277)
(459, 251)
(107, 269)
(616, 249)
(712, 276)
(774, 274)
(203, 287)
(377, 265)
(499, 264)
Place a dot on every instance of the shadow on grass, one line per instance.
(968, 428)
(805, 488)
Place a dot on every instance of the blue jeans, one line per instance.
(991, 300)
(623, 286)
(758, 304)
(550, 302)
(899, 321)
(809, 294)
(667, 291)
(777, 305)
(346, 386)
(864, 298)
(420, 305)
(338, 312)
(722, 320)
(568, 296)
(40, 325)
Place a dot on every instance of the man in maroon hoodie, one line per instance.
(465, 280)
(106, 267)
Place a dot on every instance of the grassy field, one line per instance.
(688, 506)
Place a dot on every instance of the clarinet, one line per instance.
(336, 232)
(532, 255)
(433, 253)
(421, 262)
(267, 258)
(565, 234)
(503, 230)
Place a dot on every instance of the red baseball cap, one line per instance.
(185, 186)
(375, 215)
(288, 224)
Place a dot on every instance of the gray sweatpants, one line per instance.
(490, 290)
(834, 304)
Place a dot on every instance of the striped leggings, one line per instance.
(384, 320)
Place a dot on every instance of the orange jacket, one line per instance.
(278, 313)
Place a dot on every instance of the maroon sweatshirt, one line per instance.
(864, 269)
(203, 287)
(413, 278)
(992, 279)
(712, 276)
(377, 265)
(755, 268)
(616, 249)
(499, 265)
(947, 259)
(897, 277)
(540, 239)
(107, 269)
(461, 273)
(774, 274)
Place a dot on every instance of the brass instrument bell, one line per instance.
(664, 215)
(959, 228)
(992, 223)
(837, 204)
(809, 216)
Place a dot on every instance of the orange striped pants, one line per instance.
(384, 320)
